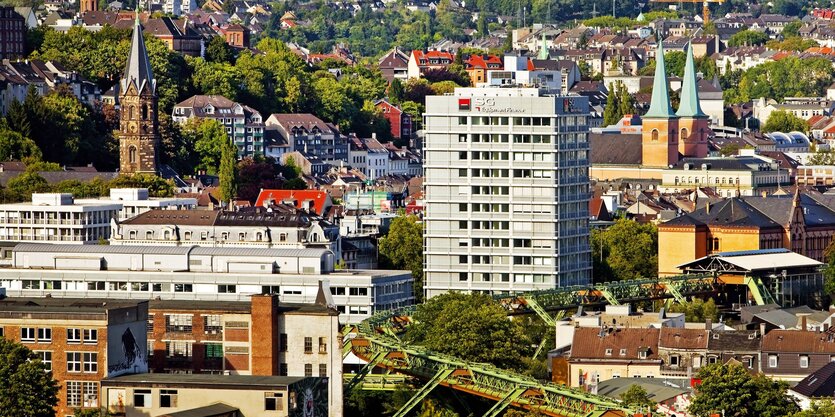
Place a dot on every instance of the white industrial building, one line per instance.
(136, 201)
(57, 218)
(506, 191)
(200, 273)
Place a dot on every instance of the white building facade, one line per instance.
(57, 218)
(506, 191)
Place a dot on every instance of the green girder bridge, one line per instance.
(376, 341)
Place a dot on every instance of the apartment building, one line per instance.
(261, 336)
(80, 341)
(201, 274)
(243, 124)
(506, 191)
(310, 135)
(281, 226)
(57, 218)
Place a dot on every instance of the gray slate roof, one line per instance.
(138, 67)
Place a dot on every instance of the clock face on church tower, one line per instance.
(132, 127)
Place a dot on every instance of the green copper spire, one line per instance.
(689, 106)
(659, 107)
(543, 50)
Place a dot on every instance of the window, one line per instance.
(282, 342)
(178, 323)
(27, 334)
(272, 401)
(675, 360)
(623, 352)
(308, 369)
(711, 360)
(91, 336)
(212, 324)
(282, 369)
(772, 361)
(167, 398)
(308, 345)
(323, 370)
(226, 289)
(91, 364)
(182, 288)
(642, 354)
(73, 361)
(270, 289)
(142, 398)
(73, 393)
(323, 345)
(73, 335)
(608, 352)
(655, 135)
(46, 358)
(804, 361)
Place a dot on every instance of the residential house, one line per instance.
(243, 124)
(682, 351)
(400, 121)
(478, 65)
(236, 35)
(178, 35)
(308, 134)
(599, 354)
(12, 33)
(791, 355)
(369, 156)
(819, 385)
(394, 64)
(420, 62)
(740, 346)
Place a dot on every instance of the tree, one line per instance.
(637, 398)
(27, 183)
(783, 121)
(396, 91)
(472, 327)
(824, 407)
(730, 387)
(26, 387)
(792, 29)
(748, 38)
(829, 270)
(208, 137)
(729, 149)
(227, 173)
(15, 147)
(402, 248)
(790, 76)
(219, 51)
(626, 250)
(697, 310)
(611, 112)
(822, 157)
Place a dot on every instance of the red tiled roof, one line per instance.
(683, 338)
(589, 344)
(300, 197)
(798, 341)
(479, 62)
(423, 58)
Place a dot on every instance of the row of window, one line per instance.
(504, 121)
(77, 362)
(145, 286)
(504, 277)
(44, 335)
(188, 235)
(350, 291)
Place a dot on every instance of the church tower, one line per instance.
(659, 131)
(692, 124)
(138, 125)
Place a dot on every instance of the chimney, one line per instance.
(803, 322)
(265, 337)
(708, 324)
(762, 329)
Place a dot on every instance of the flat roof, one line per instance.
(203, 380)
(45, 305)
(170, 250)
(759, 260)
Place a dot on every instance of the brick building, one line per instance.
(262, 337)
(400, 121)
(81, 341)
(12, 33)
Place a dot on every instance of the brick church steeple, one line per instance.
(138, 124)
(692, 122)
(660, 124)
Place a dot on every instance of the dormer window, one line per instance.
(608, 352)
(642, 354)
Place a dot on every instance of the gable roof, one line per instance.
(734, 341)
(733, 212)
(675, 338)
(615, 149)
(589, 344)
(798, 341)
(320, 199)
(818, 384)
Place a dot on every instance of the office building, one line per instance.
(506, 191)
(57, 218)
(135, 201)
(80, 341)
(201, 274)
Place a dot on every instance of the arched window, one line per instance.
(149, 235)
(676, 183)
(655, 135)
(684, 133)
(145, 112)
(166, 235)
(132, 154)
(259, 236)
(130, 113)
(133, 235)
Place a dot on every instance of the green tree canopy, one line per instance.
(823, 407)
(472, 327)
(748, 37)
(637, 398)
(787, 77)
(628, 249)
(402, 248)
(794, 43)
(697, 310)
(783, 121)
(26, 387)
(209, 138)
(730, 387)
(219, 51)
(227, 173)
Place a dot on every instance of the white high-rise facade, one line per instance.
(507, 191)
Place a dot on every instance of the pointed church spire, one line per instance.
(138, 68)
(689, 106)
(659, 107)
(543, 50)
